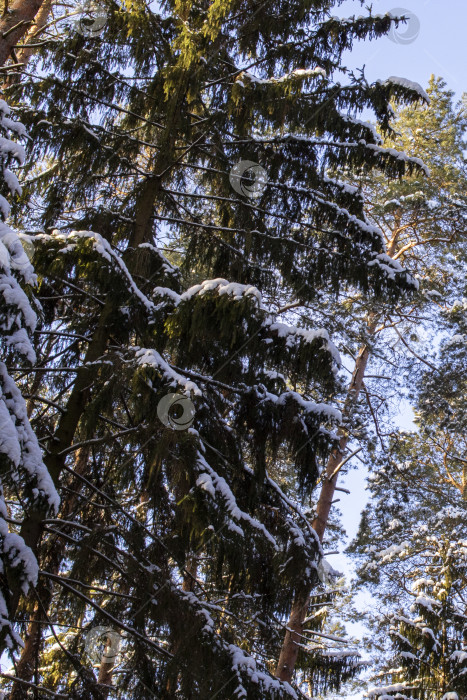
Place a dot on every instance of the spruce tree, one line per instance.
(181, 539)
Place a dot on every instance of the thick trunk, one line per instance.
(32, 527)
(188, 585)
(289, 650)
(189, 576)
(106, 672)
(24, 54)
(40, 22)
(15, 23)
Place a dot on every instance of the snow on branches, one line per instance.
(22, 468)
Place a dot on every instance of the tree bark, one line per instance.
(40, 22)
(294, 630)
(106, 671)
(32, 527)
(328, 488)
(24, 55)
(289, 650)
(15, 23)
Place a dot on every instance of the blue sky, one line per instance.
(439, 47)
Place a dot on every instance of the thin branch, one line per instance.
(33, 685)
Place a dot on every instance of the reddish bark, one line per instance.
(40, 21)
(15, 23)
(289, 650)
(106, 670)
(328, 488)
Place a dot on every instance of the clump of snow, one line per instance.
(411, 85)
(151, 358)
(384, 690)
(31, 456)
(238, 292)
(293, 333)
(300, 73)
(103, 248)
(217, 488)
(221, 286)
(387, 555)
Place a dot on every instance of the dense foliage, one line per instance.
(204, 213)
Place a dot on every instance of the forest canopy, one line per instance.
(228, 262)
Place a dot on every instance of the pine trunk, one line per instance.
(328, 488)
(294, 632)
(15, 23)
(293, 637)
(106, 673)
(23, 55)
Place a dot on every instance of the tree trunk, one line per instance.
(106, 670)
(15, 23)
(23, 55)
(32, 527)
(188, 585)
(289, 651)
(328, 488)
(40, 22)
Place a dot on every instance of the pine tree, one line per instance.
(414, 533)
(421, 219)
(429, 639)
